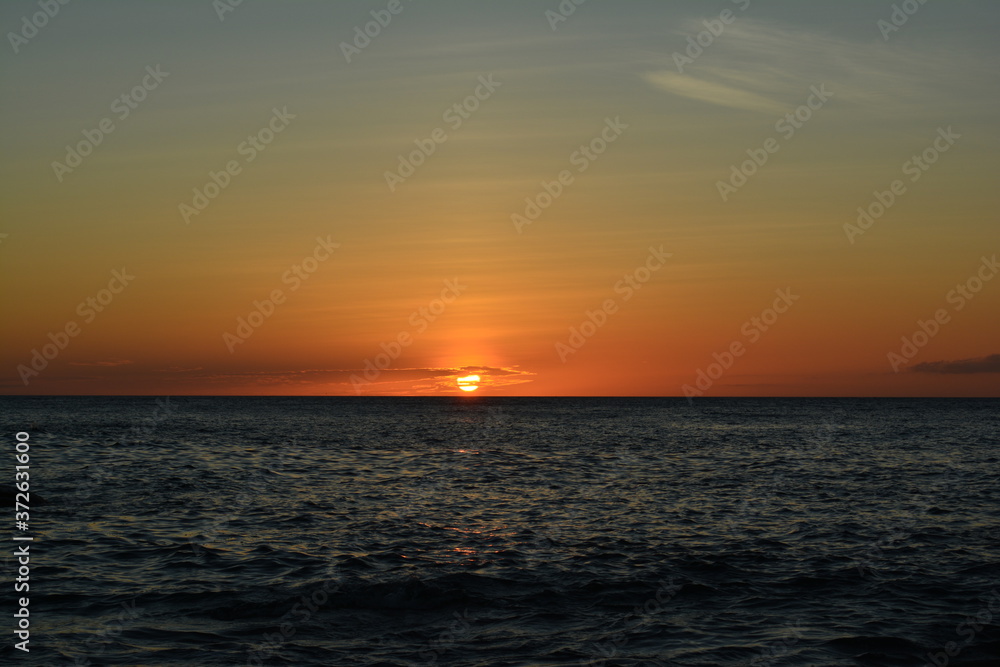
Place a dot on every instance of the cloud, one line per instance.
(989, 364)
(117, 362)
(491, 370)
(398, 380)
(436, 380)
(768, 67)
(713, 93)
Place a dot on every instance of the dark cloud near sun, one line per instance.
(417, 381)
(492, 370)
(988, 364)
(117, 362)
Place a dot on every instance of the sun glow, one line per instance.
(468, 383)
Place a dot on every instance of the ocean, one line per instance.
(479, 531)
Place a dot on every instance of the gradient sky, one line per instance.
(656, 185)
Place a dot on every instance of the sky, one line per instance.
(629, 198)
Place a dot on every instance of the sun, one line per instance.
(468, 383)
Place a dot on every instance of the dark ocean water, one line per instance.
(493, 532)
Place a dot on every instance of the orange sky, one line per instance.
(349, 256)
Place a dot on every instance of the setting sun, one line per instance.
(725, 272)
(468, 383)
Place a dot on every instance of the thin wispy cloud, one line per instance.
(766, 67)
(713, 93)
